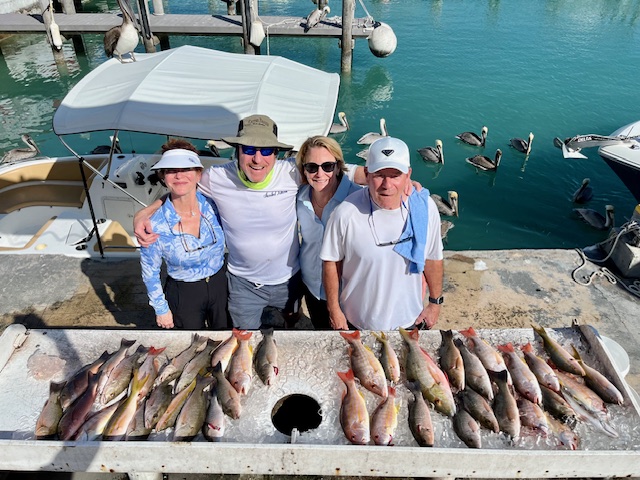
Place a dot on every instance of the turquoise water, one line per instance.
(554, 68)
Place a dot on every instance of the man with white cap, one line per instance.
(256, 200)
(378, 247)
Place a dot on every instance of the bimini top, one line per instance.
(200, 93)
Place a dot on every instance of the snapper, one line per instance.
(365, 365)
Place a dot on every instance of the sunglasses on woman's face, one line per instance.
(265, 151)
(326, 167)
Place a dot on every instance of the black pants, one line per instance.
(199, 305)
(318, 312)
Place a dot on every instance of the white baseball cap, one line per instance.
(388, 152)
(178, 158)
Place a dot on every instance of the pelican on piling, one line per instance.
(445, 226)
(341, 127)
(369, 138)
(596, 219)
(432, 154)
(315, 17)
(472, 138)
(22, 153)
(584, 193)
(123, 39)
(448, 207)
(485, 163)
(523, 146)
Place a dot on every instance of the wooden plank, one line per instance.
(180, 24)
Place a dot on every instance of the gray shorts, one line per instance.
(248, 300)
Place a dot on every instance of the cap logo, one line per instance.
(387, 152)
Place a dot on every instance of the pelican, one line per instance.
(447, 207)
(584, 193)
(473, 139)
(523, 146)
(432, 154)
(445, 226)
(122, 39)
(341, 127)
(315, 17)
(369, 138)
(363, 153)
(218, 145)
(485, 163)
(595, 219)
(22, 153)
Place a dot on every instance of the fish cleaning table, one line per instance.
(308, 361)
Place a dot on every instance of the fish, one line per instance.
(451, 361)
(420, 422)
(524, 381)
(120, 376)
(598, 382)
(559, 356)
(475, 375)
(558, 407)
(467, 429)
(47, 423)
(168, 418)
(266, 358)
(198, 363)
(354, 417)
(119, 422)
(365, 365)
(93, 427)
(541, 369)
(173, 369)
(157, 403)
(213, 426)
(388, 358)
(112, 362)
(240, 370)
(420, 367)
(384, 419)
(137, 430)
(192, 415)
(564, 433)
(504, 405)
(228, 396)
(78, 412)
(532, 416)
(479, 408)
(489, 356)
(148, 370)
(78, 383)
(222, 354)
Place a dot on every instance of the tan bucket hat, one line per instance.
(257, 131)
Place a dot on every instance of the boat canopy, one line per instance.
(200, 93)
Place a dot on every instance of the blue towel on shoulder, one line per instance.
(416, 229)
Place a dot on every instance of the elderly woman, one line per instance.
(191, 243)
(325, 185)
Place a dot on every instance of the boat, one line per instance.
(624, 157)
(83, 205)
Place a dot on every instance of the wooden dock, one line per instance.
(173, 24)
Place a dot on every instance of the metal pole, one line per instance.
(147, 36)
(245, 12)
(68, 7)
(93, 215)
(346, 43)
(158, 7)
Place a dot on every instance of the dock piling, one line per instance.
(147, 36)
(347, 42)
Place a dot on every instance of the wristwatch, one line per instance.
(437, 301)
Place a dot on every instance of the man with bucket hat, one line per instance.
(379, 246)
(256, 199)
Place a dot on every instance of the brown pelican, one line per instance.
(584, 193)
(445, 226)
(315, 17)
(447, 207)
(485, 163)
(22, 153)
(521, 145)
(363, 153)
(472, 138)
(369, 138)
(595, 219)
(341, 127)
(432, 154)
(218, 145)
(122, 39)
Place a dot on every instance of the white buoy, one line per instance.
(256, 34)
(382, 41)
(56, 38)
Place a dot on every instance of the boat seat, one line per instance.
(33, 239)
(43, 194)
(116, 237)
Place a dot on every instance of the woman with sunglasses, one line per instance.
(191, 243)
(324, 187)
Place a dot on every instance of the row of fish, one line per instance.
(126, 395)
(476, 385)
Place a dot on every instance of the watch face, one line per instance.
(437, 301)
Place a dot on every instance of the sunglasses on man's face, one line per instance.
(326, 167)
(265, 151)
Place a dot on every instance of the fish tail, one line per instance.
(528, 348)
(500, 376)
(576, 354)
(458, 343)
(446, 334)
(540, 331)
(241, 334)
(351, 336)
(346, 376)
(506, 348)
(392, 391)
(126, 343)
(156, 351)
(469, 332)
(380, 336)
(56, 387)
